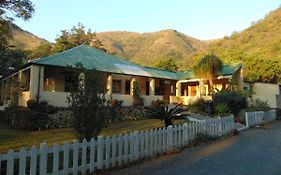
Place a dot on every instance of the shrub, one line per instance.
(32, 104)
(24, 118)
(61, 119)
(242, 116)
(127, 113)
(201, 106)
(163, 112)
(222, 109)
(258, 105)
(158, 103)
(88, 106)
(234, 100)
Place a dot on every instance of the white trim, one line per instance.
(195, 80)
(16, 73)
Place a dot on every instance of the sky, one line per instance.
(202, 19)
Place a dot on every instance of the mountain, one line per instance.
(258, 47)
(150, 48)
(25, 40)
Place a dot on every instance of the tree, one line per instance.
(75, 37)
(163, 112)
(87, 103)
(168, 64)
(43, 50)
(19, 8)
(208, 67)
(12, 58)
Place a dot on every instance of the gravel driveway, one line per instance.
(255, 151)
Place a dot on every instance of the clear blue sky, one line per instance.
(202, 19)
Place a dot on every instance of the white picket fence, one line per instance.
(259, 117)
(108, 152)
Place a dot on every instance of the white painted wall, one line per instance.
(148, 99)
(127, 99)
(268, 92)
(55, 98)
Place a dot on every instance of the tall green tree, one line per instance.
(208, 68)
(18, 8)
(10, 58)
(168, 64)
(42, 50)
(88, 105)
(75, 37)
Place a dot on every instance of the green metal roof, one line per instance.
(226, 70)
(92, 58)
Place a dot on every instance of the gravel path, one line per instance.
(255, 151)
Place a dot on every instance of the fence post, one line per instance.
(56, 159)
(126, 147)
(150, 134)
(84, 157)
(170, 137)
(247, 119)
(100, 151)
(92, 155)
(113, 155)
(10, 162)
(75, 157)
(120, 147)
(107, 152)
(65, 158)
(22, 167)
(43, 158)
(142, 150)
(131, 147)
(136, 145)
(33, 160)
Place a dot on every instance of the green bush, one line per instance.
(242, 116)
(127, 113)
(32, 104)
(32, 117)
(165, 113)
(201, 106)
(258, 105)
(234, 100)
(222, 109)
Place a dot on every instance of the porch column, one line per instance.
(178, 89)
(151, 86)
(109, 85)
(2, 90)
(133, 80)
(36, 81)
(201, 85)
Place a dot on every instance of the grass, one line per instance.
(11, 138)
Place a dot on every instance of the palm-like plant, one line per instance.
(208, 68)
(163, 112)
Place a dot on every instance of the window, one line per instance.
(159, 87)
(127, 87)
(147, 88)
(173, 92)
(71, 82)
(116, 86)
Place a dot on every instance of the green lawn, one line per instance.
(11, 138)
